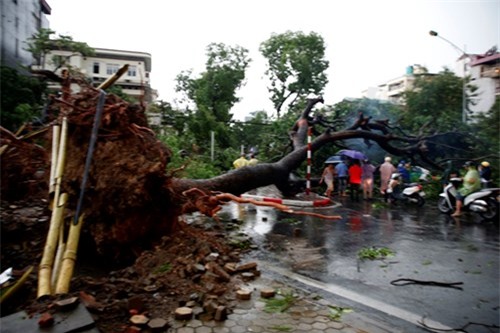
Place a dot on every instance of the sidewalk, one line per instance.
(309, 313)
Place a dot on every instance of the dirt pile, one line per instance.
(131, 219)
(198, 266)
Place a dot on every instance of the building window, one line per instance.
(112, 68)
(96, 68)
(132, 71)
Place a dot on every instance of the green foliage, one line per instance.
(336, 312)
(173, 118)
(374, 253)
(21, 98)
(196, 165)
(201, 169)
(296, 66)
(486, 128)
(434, 104)
(40, 44)
(280, 303)
(163, 268)
(118, 91)
(214, 93)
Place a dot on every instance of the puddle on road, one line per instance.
(427, 245)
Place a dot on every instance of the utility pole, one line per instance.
(464, 86)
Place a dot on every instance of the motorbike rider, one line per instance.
(485, 173)
(471, 183)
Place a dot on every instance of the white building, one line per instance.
(393, 90)
(104, 63)
(485, 75)
(483, 70)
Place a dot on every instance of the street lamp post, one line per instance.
(464, 86)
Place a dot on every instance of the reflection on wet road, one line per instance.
(428, 246)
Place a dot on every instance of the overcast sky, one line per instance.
(368, 42)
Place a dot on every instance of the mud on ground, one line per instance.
(180, 268)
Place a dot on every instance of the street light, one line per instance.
(464, 87)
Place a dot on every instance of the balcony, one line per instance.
(491, 72)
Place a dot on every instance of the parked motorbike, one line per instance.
(399, 191)
(485, 202)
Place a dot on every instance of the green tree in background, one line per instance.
(40, 44)
(214, 93)
(296, 67)
(434, 104)
(486, 127)
(21, 98)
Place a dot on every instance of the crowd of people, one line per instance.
(355, 176)
(243, 161)
(359, 176)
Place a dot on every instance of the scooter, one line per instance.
(398, 191)
(485, 202)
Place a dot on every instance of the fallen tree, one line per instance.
(131, 197)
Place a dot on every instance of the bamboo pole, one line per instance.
(56, 131)
(112, 79)
(61, 247)
(45, 269)
(69, 258)
(17, 285)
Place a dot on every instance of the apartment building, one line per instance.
(485, 75)
(483, 71)
(106, 62)
(20, 20)
(393, 90)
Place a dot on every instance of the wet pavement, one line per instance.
(321, 257)
(309, 312)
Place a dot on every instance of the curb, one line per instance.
(299, 203)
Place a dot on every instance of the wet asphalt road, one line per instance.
(428, 246)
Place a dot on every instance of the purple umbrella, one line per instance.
(354, 154)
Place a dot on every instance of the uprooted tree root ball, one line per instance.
(181, 268)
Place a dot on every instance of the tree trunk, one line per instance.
(130, 199)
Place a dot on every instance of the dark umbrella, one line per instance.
(354, 154)
(334, 159)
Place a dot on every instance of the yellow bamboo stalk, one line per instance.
(45, 269)
(20, 130)
(56, 130)
(59, 255)
(112, 79)
(69, 258)
(17, 285)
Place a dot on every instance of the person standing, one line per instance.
(342, 173)
(471, 183)
(355, 172)
(367, 171)
(327, 176)
(386, 170)
(240, 162)
(253, 160)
